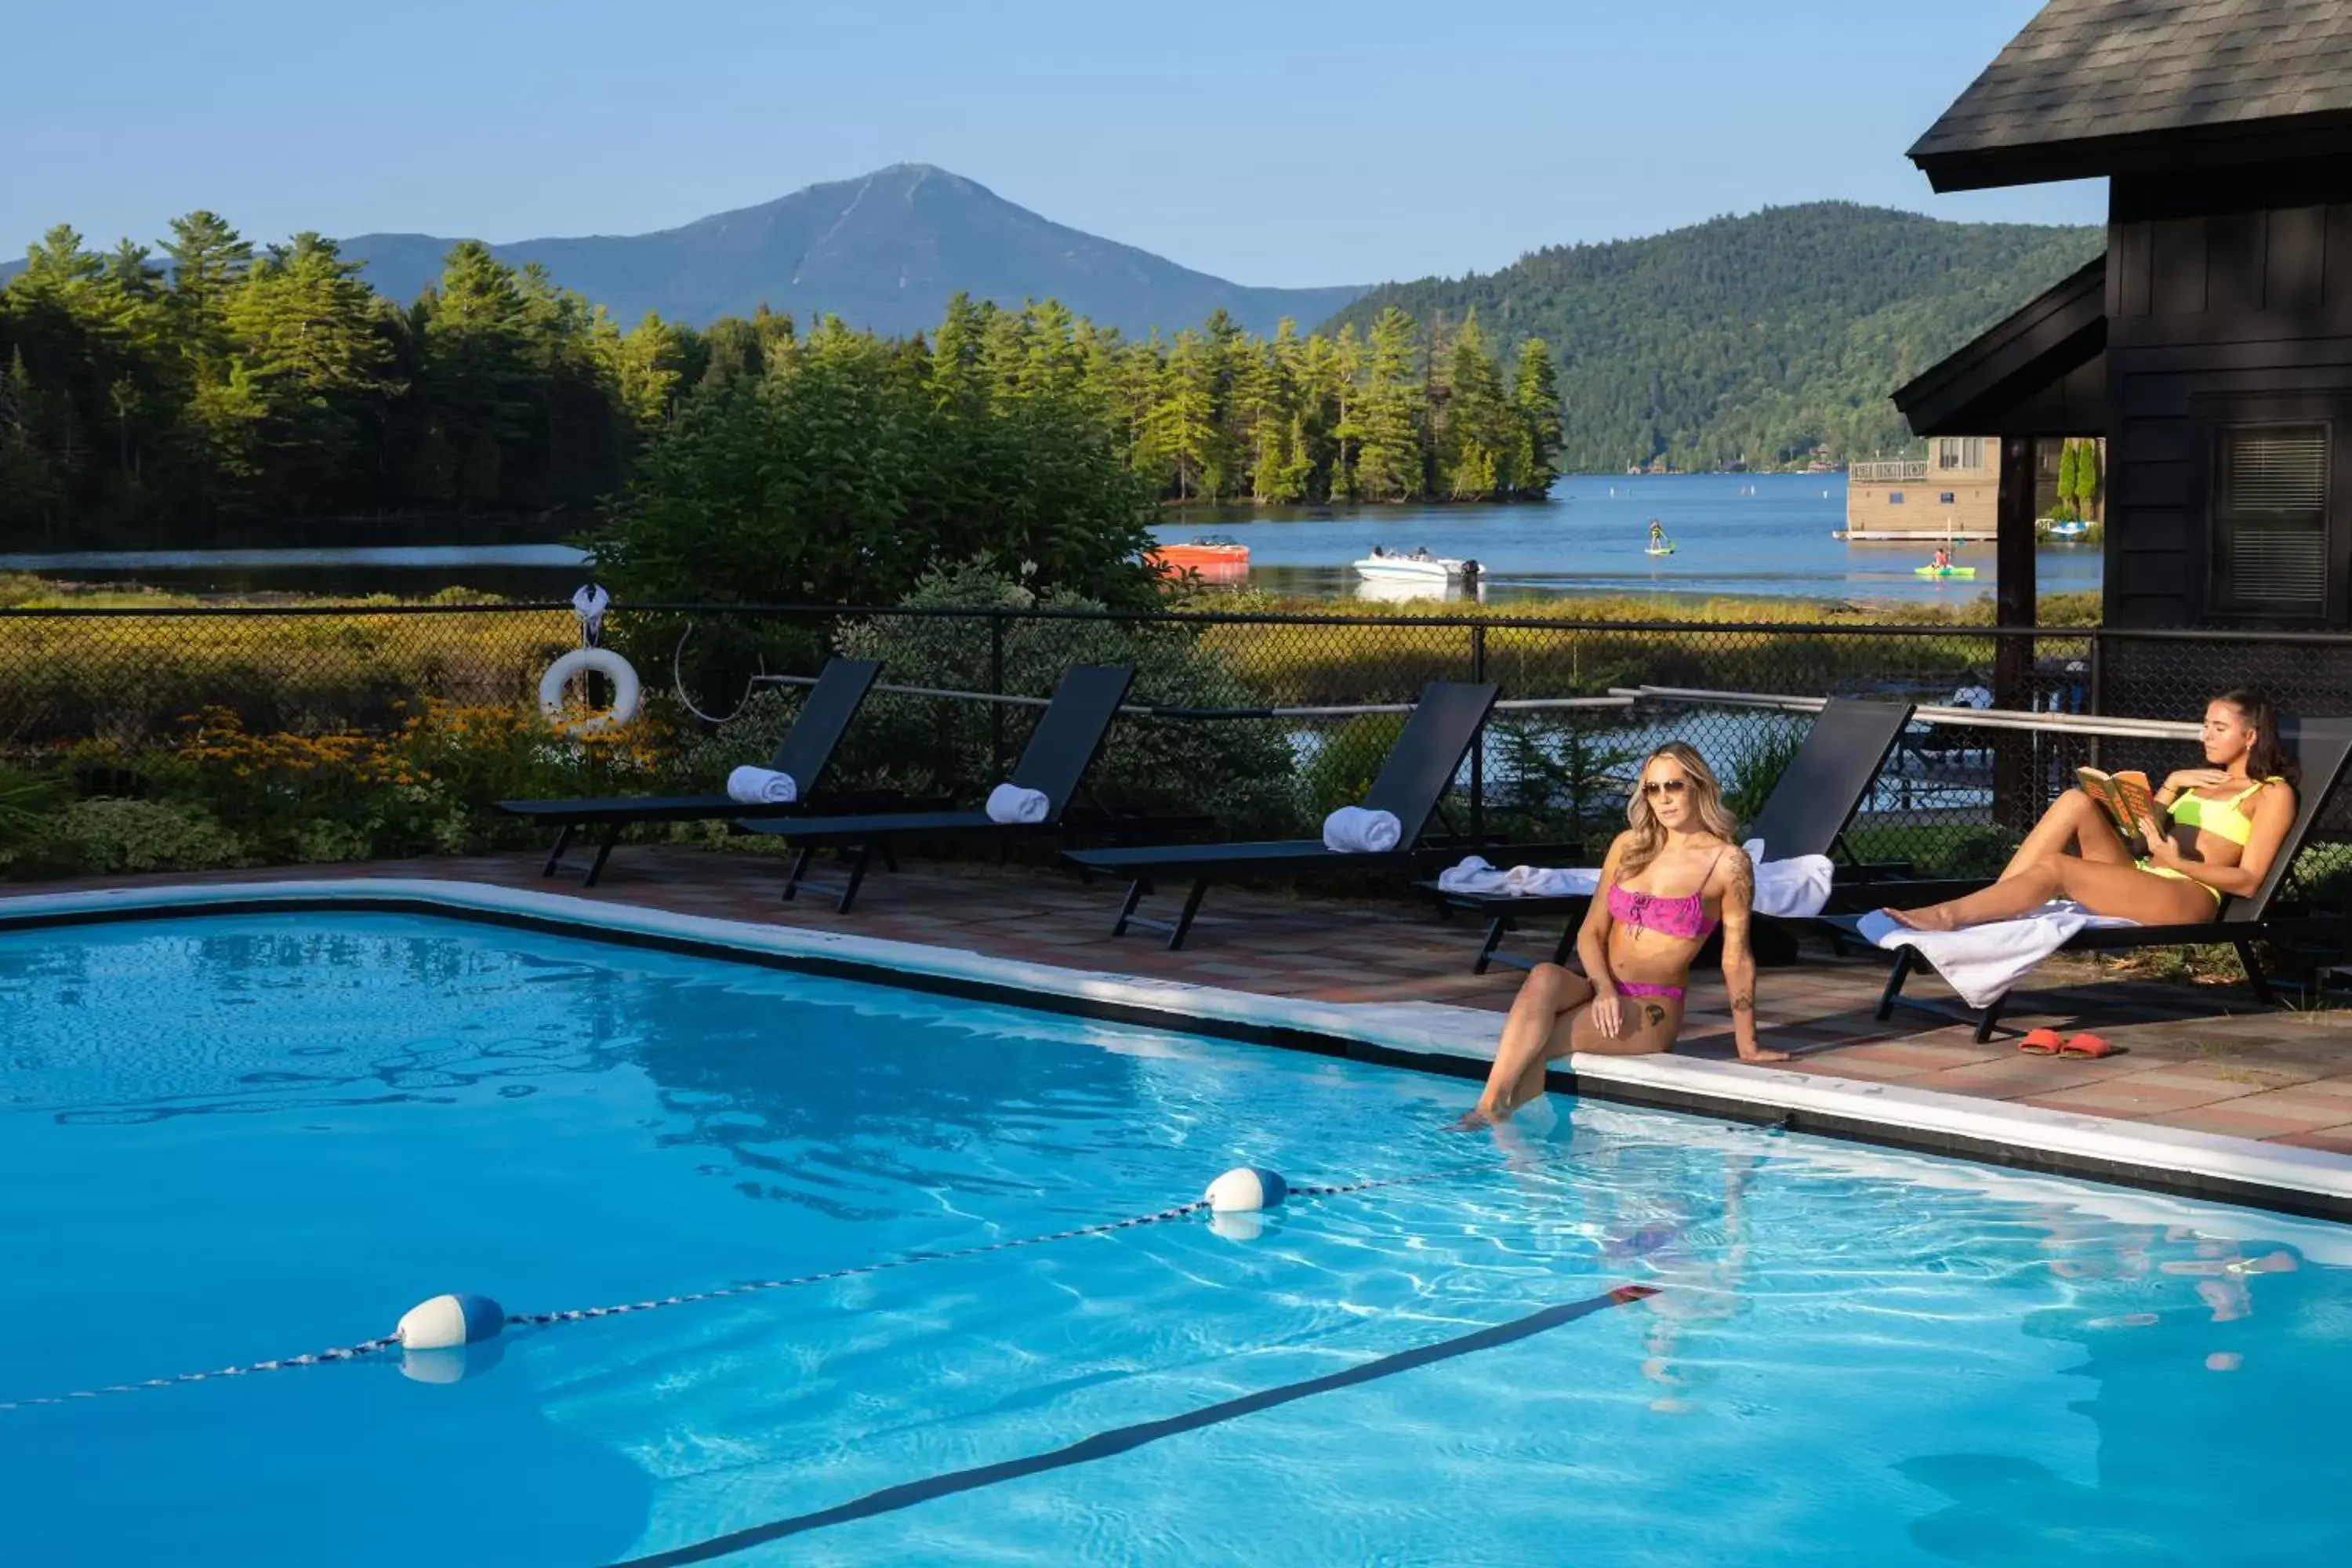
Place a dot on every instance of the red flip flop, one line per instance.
(2040, 1043)
(2088, 1046)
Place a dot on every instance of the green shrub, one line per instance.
(29, 802)
(1756, 769)
(106, 835)
(1345, 761)
(1238, 770)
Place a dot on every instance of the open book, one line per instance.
(2124, 796)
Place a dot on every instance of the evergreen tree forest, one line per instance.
(209, 378)
(1756, 339)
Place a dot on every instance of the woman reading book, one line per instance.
(2222, 825)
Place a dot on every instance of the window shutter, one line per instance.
(2281, 470)
(2272, 541)
(2283, 566)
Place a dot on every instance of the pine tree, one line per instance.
(1183, 422)
(2069, 472)
(1480, 435)
(1535, 400)
(1389, 458)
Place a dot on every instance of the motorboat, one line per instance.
(1209, 555)
(1420, 566)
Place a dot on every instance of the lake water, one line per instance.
(1735, 534)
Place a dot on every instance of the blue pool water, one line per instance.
(242, 1138)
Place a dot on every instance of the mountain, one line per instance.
(883, 252)
(1756, 337)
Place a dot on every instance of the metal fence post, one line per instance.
(1479, 741)
(2098, 685)
(996, 686)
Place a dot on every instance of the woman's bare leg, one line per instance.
(1518, 1074)
(1651, 1025)
(2073, 818)
(2125, 891)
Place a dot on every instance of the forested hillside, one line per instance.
(1757, 338)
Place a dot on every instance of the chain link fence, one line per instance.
(122, 683)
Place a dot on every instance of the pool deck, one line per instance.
(2202, 1059)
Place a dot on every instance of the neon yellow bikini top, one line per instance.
(2224, 817)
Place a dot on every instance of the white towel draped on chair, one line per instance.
(761, 786)
(1353, 830)
(1010, 802)
(1983, 962)
(1794, 889)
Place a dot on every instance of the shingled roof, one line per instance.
(2091, 78)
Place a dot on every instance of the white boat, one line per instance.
(1434, 571)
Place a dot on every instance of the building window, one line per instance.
(1946, 498)
(2270, 522)
(1894, 498)
(1960, 452)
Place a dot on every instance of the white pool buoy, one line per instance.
(1246, 1189)
(450, 1321)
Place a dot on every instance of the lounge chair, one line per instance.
(805, 751)
(1068, 738)
(2321, 746)
(1444, 724)
(1817, 796)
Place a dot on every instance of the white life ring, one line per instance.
(580, 661)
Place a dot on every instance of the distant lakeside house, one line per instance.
(1953, 492)
(2211, 345)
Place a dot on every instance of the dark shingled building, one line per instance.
(2212, 345)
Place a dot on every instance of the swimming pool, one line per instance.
(230, 1138)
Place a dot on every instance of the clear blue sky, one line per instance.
(1271, 141)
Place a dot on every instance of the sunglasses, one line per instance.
(1656, 787)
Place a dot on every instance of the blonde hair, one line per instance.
(1649, 835)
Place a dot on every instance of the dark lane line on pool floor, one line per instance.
(1106, 1445)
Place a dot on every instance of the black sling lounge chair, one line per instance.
(1824, 784)
(2321, 747)
(1444, 724)
(1068, 738)
(805, 752)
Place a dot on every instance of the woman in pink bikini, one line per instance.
(1670, 878)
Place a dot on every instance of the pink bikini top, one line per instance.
(1686, 918)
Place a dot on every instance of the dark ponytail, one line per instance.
(2268, 758)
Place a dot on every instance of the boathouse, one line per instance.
(2211, 345)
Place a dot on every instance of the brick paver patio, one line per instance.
(2210, 1058)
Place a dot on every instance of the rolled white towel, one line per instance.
(1010, 802)
(761, 786)
(1473, 876)
(1353, 830)
(1794, 889)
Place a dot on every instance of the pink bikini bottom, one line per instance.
(1636, 988)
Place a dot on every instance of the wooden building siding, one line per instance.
(2228, 301)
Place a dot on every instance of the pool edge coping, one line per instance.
(1424, 1036)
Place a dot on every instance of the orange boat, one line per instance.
(1208, 556)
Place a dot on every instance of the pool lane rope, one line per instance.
(456, 1320)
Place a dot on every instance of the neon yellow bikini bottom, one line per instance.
(2153, 870)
